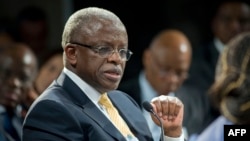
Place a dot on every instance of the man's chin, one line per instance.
(112, 87)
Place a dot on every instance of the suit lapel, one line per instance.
(93, 112)
(89, 108)
(129, 113)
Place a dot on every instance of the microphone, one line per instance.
(147, 106)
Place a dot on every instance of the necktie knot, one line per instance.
(104, 100)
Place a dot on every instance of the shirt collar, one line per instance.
(88, 90)
(147, 91)
(218, 45)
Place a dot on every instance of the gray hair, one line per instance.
(82, 18)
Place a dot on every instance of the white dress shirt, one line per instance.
(147, 94)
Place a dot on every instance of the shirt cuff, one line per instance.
(181, 138)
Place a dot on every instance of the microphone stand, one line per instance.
(147, 106)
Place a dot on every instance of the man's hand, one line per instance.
(170, 111)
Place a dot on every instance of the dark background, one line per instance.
(143, 20)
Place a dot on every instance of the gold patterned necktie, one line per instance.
(115, 116)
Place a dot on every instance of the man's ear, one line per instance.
(71, 54)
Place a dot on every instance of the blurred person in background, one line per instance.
(230, 18)
(17, 72)
(230, 92)
(49, 69)
(166, 62)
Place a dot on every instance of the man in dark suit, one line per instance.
(17, 73)
(166, 63)
(230, 18)
(95, 47)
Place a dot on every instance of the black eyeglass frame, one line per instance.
(97, 50)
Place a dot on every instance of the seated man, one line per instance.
(17, 71)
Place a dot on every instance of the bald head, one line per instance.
(167, 60)
(23, 53)
(17, 71)
(173, 40)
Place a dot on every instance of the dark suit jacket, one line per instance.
(64, 113)
(16, 122)
(132, 87)
(202, 70)
(199, 112)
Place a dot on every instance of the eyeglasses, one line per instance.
(107, 51)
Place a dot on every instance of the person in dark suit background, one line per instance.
(230, 92)
(231, 17)
(166, 62)
(17, 72)
(95, 45)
